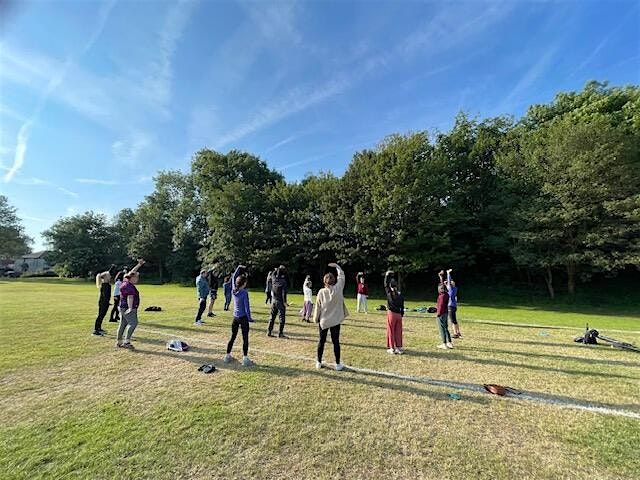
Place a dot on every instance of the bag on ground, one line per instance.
(177, 346)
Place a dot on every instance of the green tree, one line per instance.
(81, 244)
(13, 241)
(580, 174)
(234, 191)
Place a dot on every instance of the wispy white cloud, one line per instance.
(96, 181)
(38, 182)
(440, 33)
(53, 83)
(128, 151)
(530, 77)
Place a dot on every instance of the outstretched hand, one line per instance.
(450, 270)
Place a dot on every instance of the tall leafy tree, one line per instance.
(81, 244)
(13, 241)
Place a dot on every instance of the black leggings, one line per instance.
(335, 339)
(115, 313)
(243, 323)
(201, 306)
(268, 300)
(103, 309)
(452, 315)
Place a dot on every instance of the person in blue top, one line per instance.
(453, 304)
(202, 285)
(241, 315)
(227, 292)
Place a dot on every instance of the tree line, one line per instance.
(554, 196)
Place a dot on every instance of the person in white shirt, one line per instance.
(307, 307)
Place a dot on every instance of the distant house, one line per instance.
(32, 263)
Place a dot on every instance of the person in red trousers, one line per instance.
(395, 311)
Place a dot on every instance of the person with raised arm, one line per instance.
(115, 312)
(330, 311)
(268, 285)
(395, 312)
(228, 288)
(103, 284)
(452, 290)
(212, 278)
(129, 303)
(241, 315)
(441, 315)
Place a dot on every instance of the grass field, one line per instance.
(73, 406)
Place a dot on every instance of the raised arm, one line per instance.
(341, 278)
(240, 269)
(387, 279)
(449, 280)
(137, 267)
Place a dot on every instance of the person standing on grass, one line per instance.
(115, 313)
(363, 292)
(129, 303)
(279, 297)
(103, 284)
(452, 290)
(330, 311)
(227, 292)
(241, 315)
(202, 287)
(308, 300)
(268, 286)
(395, 312)
(213, 291)
(441, 314)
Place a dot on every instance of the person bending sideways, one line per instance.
(129, 303)
(441, 314)
(241, 316)
(103, 283)
(202, 287)
(330, 311)
(395, 312)
(452, 290)
(268, 285)
(279, 297)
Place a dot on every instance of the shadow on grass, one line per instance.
(615, 363)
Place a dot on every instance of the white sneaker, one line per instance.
(227, 358)
(246, 362)
(442, 346)
(318, 365)
(449, 345)
(199, 324)
(339, 367)
(399, 351)
(391, 351)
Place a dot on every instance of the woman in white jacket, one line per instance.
(329, 313)
(308, 300)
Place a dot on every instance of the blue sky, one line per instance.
(96, 97)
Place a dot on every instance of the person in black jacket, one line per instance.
(212, 278)
(395, 312)
(279, 287)
(103, 283)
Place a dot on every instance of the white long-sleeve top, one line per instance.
(330, 309)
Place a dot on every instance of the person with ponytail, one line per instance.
(395, 312)
(115, 313)
(103, 284)
(329, 312)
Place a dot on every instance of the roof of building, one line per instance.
(34, 255)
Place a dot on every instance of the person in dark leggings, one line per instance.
(103, 283)
(329, 313)
(279, 296)
(202, 287)
(115, 311)
(241, 316)
(453, 304)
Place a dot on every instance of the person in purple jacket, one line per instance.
(241, 315)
